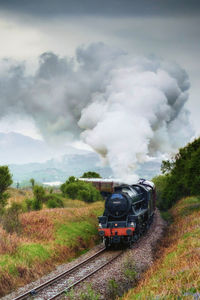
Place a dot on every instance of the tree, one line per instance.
(167, 166)
(39, 194)
(160, 183)
(183, 178)
(91, 174)
(5, 182)
(32, 181)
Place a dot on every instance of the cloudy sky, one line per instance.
(167, 29)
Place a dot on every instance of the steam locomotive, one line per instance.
(128, 213)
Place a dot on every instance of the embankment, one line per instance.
(176, 272)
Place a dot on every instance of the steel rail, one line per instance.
(34, 291)
(85, 277)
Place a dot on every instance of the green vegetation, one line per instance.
(77, 189)
(35, 239)
(67, 233)
(28, 253)
(88, 294)
(47, 238)
(176, 274)
(39, 194)
(130, 270)
(112, 289)
(54, 200)
(32, 181)
(181, 176)
(91, 174)
(5, 182)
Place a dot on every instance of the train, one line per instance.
(129, 211)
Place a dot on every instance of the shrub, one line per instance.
(39, 194)
(71, 190)
(54, 201)
(80, 190)
(29, 204)
(36, 204)
(90, 294)
(32, 181)
(10, 219)
(5, 182)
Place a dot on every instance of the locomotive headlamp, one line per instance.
(132, 224)
(100, 225)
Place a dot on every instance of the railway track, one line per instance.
(58, 285)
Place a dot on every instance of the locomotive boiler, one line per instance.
(129, 211)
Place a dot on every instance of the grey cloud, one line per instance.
(104, 7)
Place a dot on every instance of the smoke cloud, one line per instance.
(127, 109)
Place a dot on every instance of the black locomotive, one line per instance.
(129, 210)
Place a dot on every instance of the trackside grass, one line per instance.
(176, 273)
(48, 237)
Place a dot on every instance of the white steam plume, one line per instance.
(126, 108)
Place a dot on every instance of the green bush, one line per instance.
(5, 182)
(39, 193)
(77, 189)
(54, 200)
(29, 204)
(39, 197)
(32, 181)
(36, 204)
(71, 190)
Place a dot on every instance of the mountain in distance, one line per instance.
(30, 158)
(59, 170)
(73, 165)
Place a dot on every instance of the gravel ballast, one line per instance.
(142, 255)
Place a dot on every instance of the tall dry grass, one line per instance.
(176, 272)
(8, 242)
(38, 248)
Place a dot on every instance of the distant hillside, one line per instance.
(59, 170)
(31, 158)
(72, 164)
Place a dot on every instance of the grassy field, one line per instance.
(48, 237)
(176, 273)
